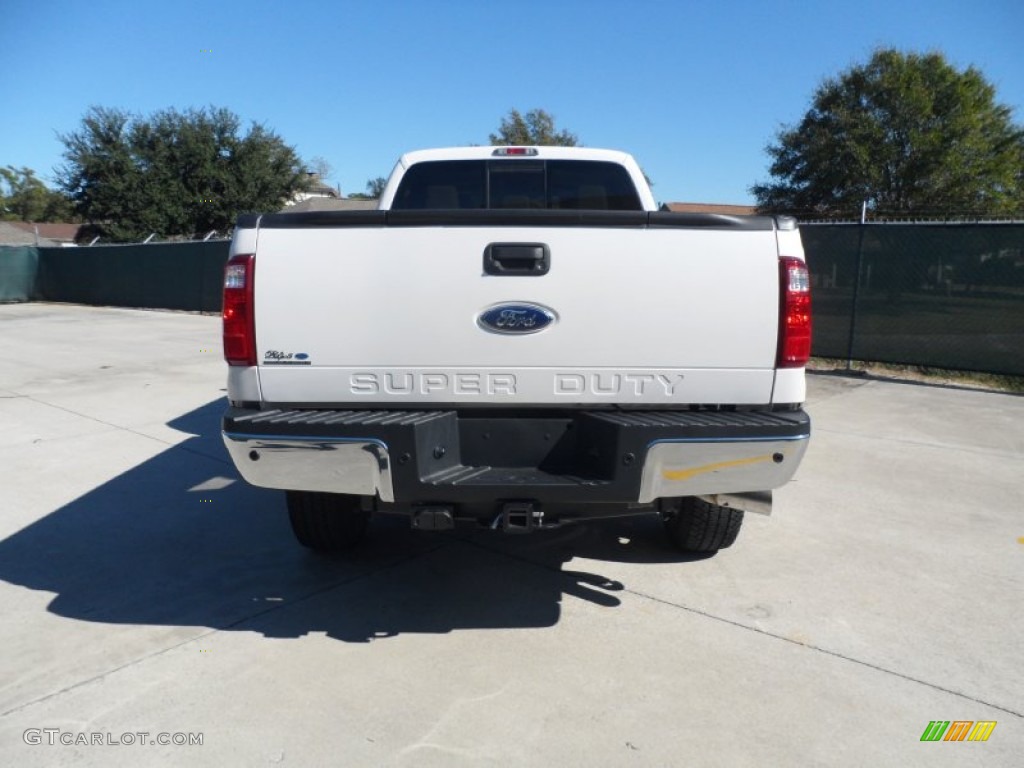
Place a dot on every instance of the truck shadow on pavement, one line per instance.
(181, 540)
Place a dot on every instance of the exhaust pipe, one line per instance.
(759, 502)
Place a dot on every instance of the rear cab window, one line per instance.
(517, 184)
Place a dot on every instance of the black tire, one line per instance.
(696, 526)
(327, 522)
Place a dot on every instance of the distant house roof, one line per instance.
(316, 190)
(317, 186)
(25, 233)
(323, 190)
(729, 210)
(330, 204)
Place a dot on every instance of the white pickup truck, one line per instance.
(517, 337)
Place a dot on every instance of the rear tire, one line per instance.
(327, 522)
(695, 526)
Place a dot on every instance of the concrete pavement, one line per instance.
(145, 588)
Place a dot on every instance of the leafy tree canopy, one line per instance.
(174, 173)
(908, 133)
(23, 197)
(374, 189)
(536, 128)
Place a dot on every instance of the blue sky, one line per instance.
(695, 90)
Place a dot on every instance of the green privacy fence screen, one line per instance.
(940, 295)
(18, 267)
(164, 276)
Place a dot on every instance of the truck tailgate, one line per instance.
(391, 315)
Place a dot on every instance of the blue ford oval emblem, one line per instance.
(516, 318)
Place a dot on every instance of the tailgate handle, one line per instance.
(522, 259)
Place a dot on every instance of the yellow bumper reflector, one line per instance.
(686, 474)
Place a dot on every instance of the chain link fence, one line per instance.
(937, 295)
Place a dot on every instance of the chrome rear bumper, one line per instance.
(338, 465)
(733, 471)
(401, 457)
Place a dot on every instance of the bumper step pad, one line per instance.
(565, 455)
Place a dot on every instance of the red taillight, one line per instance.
(794, 313)
(239, 328)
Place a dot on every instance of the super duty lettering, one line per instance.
(615, 384)
(433, 383)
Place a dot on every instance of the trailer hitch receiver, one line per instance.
(519, 517)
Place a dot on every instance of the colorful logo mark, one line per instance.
(958, 730)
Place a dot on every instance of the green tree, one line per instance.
(907, 133)
(374, 189)
(174, 173)
(536, 128)
(26, 198)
